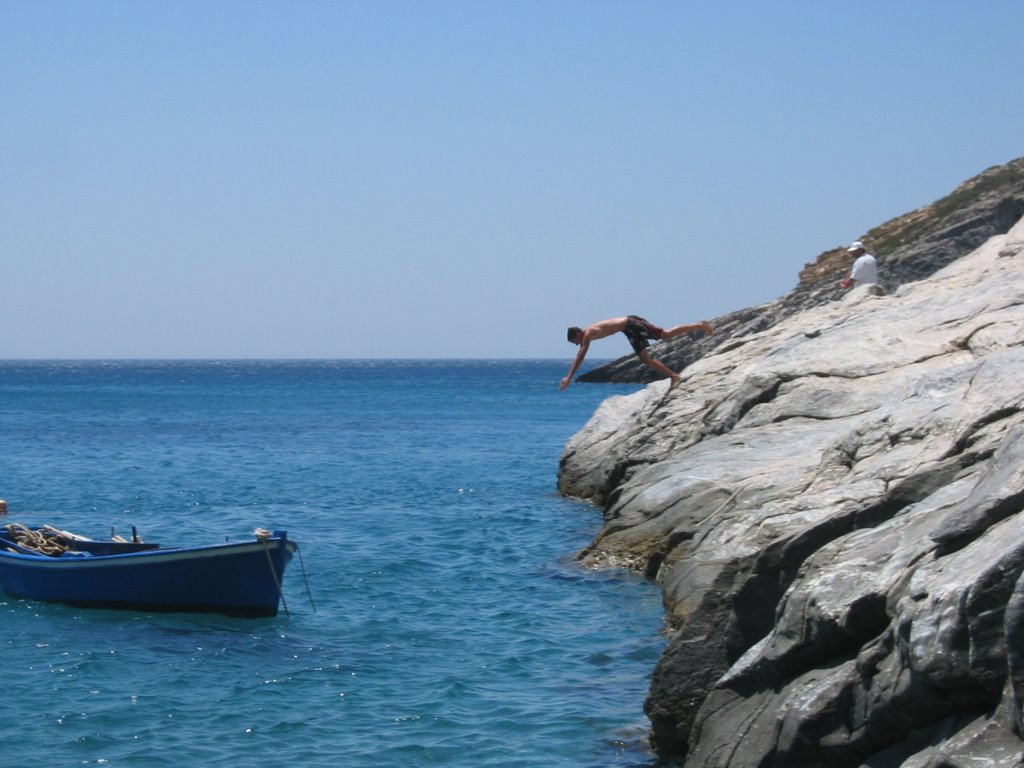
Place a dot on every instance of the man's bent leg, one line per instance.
(657, 365)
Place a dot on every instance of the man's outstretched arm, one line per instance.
(584, 346)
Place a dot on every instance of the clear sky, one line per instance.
(437, 178)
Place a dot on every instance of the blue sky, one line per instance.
(462, 179)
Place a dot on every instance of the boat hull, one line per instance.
(240, 579)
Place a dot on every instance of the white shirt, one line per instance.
(865, 270)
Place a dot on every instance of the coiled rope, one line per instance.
(46, 541)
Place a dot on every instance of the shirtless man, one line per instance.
(638, 331)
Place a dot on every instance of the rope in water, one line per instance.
(263, 534)
(302, 565)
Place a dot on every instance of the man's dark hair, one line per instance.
(574, 333)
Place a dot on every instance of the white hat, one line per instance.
(856, 245)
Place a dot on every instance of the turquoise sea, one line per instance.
(446, 623)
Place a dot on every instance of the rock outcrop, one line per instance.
(909, 248)
(834, 507)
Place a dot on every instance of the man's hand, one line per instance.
(846, 283)
(564, 384)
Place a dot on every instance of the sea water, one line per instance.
(434, 616)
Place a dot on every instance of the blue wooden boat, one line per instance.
(237, 579)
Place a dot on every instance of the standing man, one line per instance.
(638, 331)
(865, 270)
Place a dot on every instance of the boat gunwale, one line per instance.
(149, 556)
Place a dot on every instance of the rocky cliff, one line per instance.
(834, 507)
(909, 247)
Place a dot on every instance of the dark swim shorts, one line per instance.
(639, 332)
